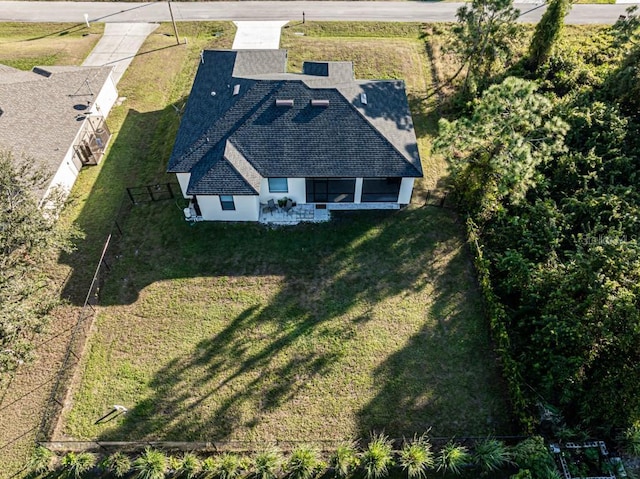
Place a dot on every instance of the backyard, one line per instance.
(317, 332)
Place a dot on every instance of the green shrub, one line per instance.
(117, 464)
(209, 468)
(228, 466)
(151, 464)
(416, 457)
(266, 464)
(453, 458)
(189, 466)
(377, 458)
(303, 463)
(40, 461)
(631, 440)
(75, 465)
(490, 455)
(531, 454)
(345, 460)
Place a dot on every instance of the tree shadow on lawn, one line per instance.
(270, 359)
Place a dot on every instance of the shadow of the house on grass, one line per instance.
(132, 160)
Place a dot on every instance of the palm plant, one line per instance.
(228, 466)
(303, 463)
(416, 457)
(378, 457)
(452, 458)
(117, 464)
(75, 465)
(490, 455)
(345, 460)
(40, 461)
(151, 464)
(209, 468)
(266, 464)
(189, 466)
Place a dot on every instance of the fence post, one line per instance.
(443, 200)
(150, 192)
(131, 196)
(171, 195)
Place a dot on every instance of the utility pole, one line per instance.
(175, 29)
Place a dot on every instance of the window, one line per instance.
(380, 190)
(278, 185)
(227, 203)
(330, 190)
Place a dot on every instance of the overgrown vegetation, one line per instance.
(560, 243)
(30, 237)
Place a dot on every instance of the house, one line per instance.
(252, 133)
(54, 116)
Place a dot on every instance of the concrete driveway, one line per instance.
(257, 35)
(119, 45)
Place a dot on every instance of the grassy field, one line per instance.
(23, 395)
(24, 45)
(237, 332)
(23, 399)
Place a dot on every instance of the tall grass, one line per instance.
(304, 463)
(416, 457)
(151, 464)
(345, 460)
(267, 464)
(377, 458)
(117, 464)
(453, 458)
(75, 465)
(490, 455)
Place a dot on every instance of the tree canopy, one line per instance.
(29, 240)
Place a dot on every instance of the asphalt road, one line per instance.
(270, 10)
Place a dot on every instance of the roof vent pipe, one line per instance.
(323, 103)
(284, 102)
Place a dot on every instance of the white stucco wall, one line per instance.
(183, 180)
(247, 208)
(106, 98)
(297, 191)
(406, 188)
(64, 177)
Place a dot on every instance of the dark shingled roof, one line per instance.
(230, 142)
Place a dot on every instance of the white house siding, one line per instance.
(64, 177)
(406, 188)
(106, 98)
(297, 191)
(183, 180)
(247, 208)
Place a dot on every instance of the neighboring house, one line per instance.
(55, 118)
(252, 132)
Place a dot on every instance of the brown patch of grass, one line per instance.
(24, 46)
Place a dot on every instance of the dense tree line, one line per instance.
(547, 167)
(30, 239)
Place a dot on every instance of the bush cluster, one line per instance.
(413, 458)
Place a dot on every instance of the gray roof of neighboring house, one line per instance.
(41, 112)
(228, 141)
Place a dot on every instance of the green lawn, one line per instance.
(240, 332)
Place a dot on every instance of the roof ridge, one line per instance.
(377, 131)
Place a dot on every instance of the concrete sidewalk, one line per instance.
(119, 45)
(258, 35)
